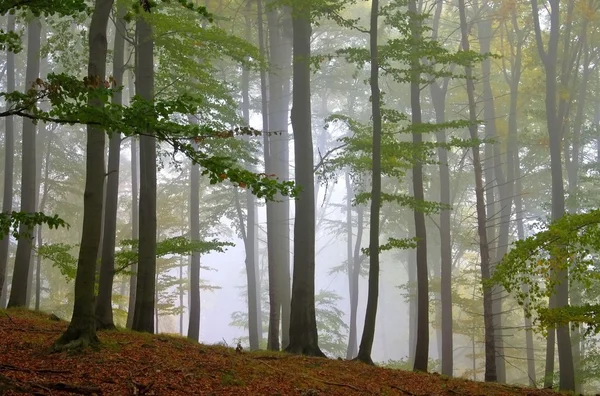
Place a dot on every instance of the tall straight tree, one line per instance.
(490, 352)
(194, 216)
(135, 213)
(249, 231)
(422, 346)
(278, 213)
(104, 313)
(554, 121)
(82, 329)
(21, 279)
(368, 335)
(438, 91)
(494, 179)
(9, 160)
(303, 333)
(143, 317)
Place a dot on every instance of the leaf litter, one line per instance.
(130, 363)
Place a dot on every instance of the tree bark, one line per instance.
(9, 161)
(368, 335)
(278, 213)
(422, 344)
(194, 218)
(249, 231)
(553, 117)
(143, 318)
(303, 324)
(135, 224)
(490, 353)
(41, 208)
(82, 329)
(20, 281)
(104, 313)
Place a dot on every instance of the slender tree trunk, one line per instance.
(82, 329)
(572, 203)
(194, 322)
(104, 313)
(513, 172)
(303, 334)
(554, 122)
(422, 345)
(41, 208)
(278, 213)
(249, 231)
(21, 279)
(143, 318)
(134, 215)
(352, 338)
(501, 222)
(490, 353)
(9, 160)
(368, 335)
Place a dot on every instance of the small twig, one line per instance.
(9, 318)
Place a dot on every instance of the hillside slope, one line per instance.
(129, 363)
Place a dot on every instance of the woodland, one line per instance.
(402, 183)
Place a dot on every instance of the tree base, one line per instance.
(364, 359)
(100, 325)
(305, 350)
(76, 339)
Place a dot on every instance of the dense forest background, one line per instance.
(410, 183)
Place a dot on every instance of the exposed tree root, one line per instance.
(305, 350)
(9, 367)
(73, 340)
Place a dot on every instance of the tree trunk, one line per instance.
(303, 324)
(194, 322)
(278, 213)
(422, 344)
(554, 122)
(143, 318)
(368, 335)
(82, 329)
(513, 172)
(9, 160)
(502, 223)
(134, 215)
(21, 279)
(104, 313)
(249, 231)
(41, 208)
(490, 353)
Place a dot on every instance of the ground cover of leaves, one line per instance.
(129, 363)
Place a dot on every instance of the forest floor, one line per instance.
(128, 363)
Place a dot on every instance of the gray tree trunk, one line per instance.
(104, 313)
(194, 218)
(368, 335)
(143, 317)
(497, 220)
(249, 231)
(553, 117)
(135, 212)
(422, 345)
(490, 353)
(303, 335)
(82, 329)
(278, 213)
(41, 208)
(21, 279)
(9, 160)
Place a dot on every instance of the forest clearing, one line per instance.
(130, 363)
